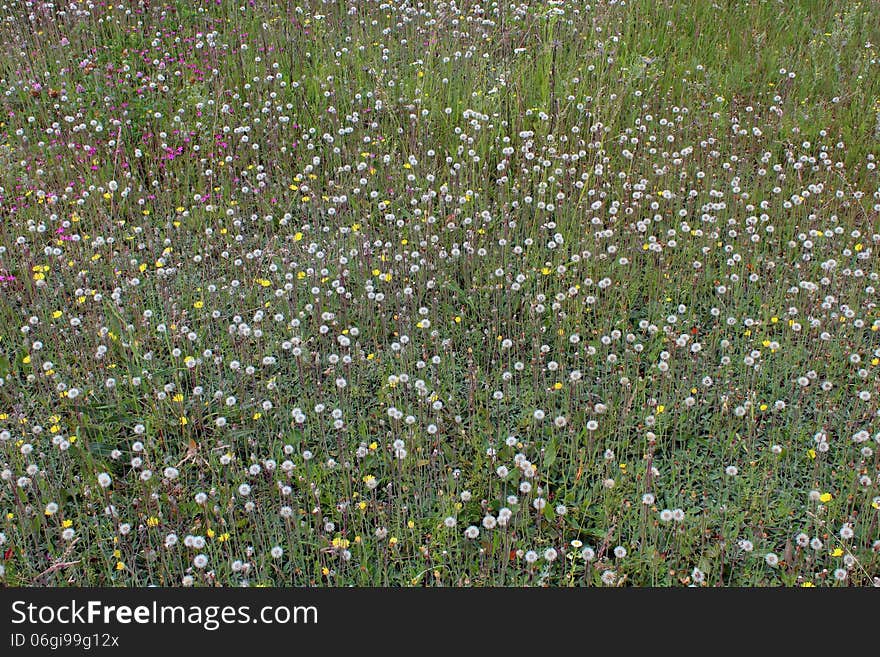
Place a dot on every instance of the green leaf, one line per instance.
(550, 454)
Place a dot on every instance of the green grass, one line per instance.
(625, 252)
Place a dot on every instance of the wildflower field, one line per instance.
(468, 293)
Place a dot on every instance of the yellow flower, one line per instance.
(325, 571)
(223, 537)
(57, 314)
(808, 585)
(211, 533)
(183, 421)
(660, 409)
(825, 497)
(65, 523)
(120, 565)
(837, 552)
(392, 541)
(199, 304)
(297, 236)
(811, 453)
(152, 521)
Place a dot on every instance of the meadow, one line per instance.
(468, 293)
